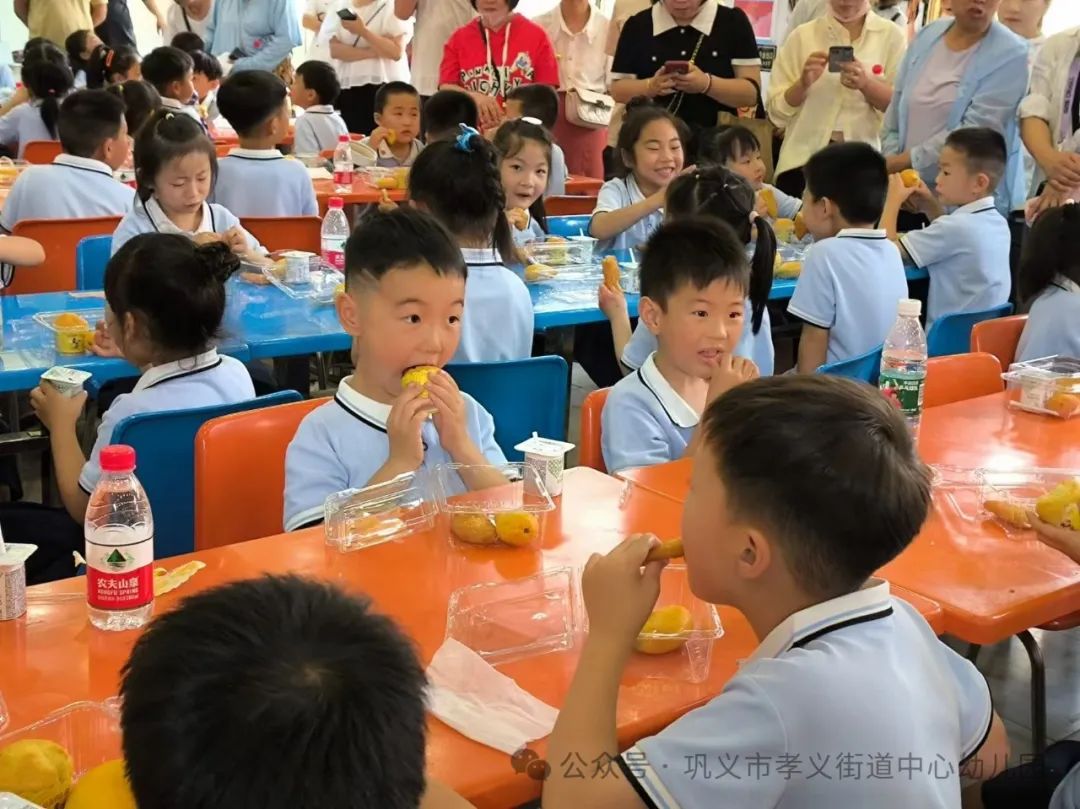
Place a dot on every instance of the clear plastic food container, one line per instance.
(557, 251)
(89, 731)
(1002, 497)
(359, 518)
(10, 171)
(390, 178)
(510, 514)
(1050, 385)
(73, 332)
(507, 621)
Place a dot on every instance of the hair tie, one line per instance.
(463, 142)
(753, 216)
(531, 120)
(109, 57)
(168, 116)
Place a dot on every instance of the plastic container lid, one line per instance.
(909, 307)
(336, 202)
(117, 458)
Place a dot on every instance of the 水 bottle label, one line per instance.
(903, 390)
(343, 177)
(120, 577)
(333, 254)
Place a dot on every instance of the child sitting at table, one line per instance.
(171, 71)
(694, 280)
(315, 88)
(650, 155)
(966, 252)
(47, 79)
(541, 103)
(80, 47)
(112, 66)
(524, 164)
(140, 101)
(852, 276)
(445, 112)
(79, 183)
(206, 75)
(255, 179)
(176, 168)
(721, 193)
(458, 182)
(404, 301)
(311, 662)
(165, 299)
(1050, 286)
(738, 149)
(802, 488)
(396, 137)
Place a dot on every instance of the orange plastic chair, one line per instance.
(59, 238)
(240, 473)
(999, 337)
(286, 232)
(223, 149)
(569, 205)
(589, 451)
(956, 377)
(41, 151)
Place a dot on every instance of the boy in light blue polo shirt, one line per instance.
(694, 280)
(405, 294)
(314, 90)
(79, 183)
(255, 179)
(966, 252)
(172, 72)
(852, 275)
(803, 486)
(396, 137)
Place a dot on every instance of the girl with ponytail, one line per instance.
(47, 79)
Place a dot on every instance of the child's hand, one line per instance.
(612, 302)
(899, 193)
(619, 594)
(730, 371)
(407, 416)
(449, 418)
(385, 203)
(202, 239)
(104, 345)
(760, 208)
(235, 238)
(56, 411)
(1061, 539)
(380, 134)
(518, 218)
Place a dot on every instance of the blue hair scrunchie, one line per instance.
(463, 142)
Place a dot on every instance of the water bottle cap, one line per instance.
(117, 458)
(342, 138)
(337, 202)
(909, 307)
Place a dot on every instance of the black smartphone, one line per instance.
(839, 55)
(237, 53)
(346, 14)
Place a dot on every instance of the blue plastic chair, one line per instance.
(91, 256)
(567, 226)
(164, 444)
(522, 396)
(864, 367)
(951, 334)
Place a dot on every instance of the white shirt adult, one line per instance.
(380, 19)
(315, 12)
(436, 20)
(1049, 113)
(582, 61)
(192, 16)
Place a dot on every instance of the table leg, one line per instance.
(1038, 691)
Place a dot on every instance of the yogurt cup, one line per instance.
(297, 266)
(13, 580)
(548, 457)
(69, 381)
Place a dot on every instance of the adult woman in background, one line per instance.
(191, 16)
(817, 105)
(255, 34)
(436, 20)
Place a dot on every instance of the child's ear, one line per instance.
(755, 557)
(982, 183)
(348, 312)
(378, 119)
(649, 313)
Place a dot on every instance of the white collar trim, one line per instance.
(676, 407)
(862, 233)
(869, 602)
(360, 405)
(256, 154)
(157, 374)
(163, 224)
(388, 153)
(320, 109)
(171, 103)
(977, 206)
(77, 162)
(703, 22)
(481, 255)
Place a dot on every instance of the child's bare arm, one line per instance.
(609, 224)
(20, 251)
(988, 761)
(813, 348)
(613, 304)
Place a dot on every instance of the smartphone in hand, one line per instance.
(346, 14)
(677, 66)
(839, 55)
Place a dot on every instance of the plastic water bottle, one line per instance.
(903, 363)
(119, 533)
(335, 232)
(343, 165)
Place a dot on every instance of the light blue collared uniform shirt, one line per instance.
(622, 192)
(557, 175)
(23, 125)
(265, 30)
(318, 129)
(498, 320)
(68, 188)
(786, 205)
(1053, 324)
(263, 182)
(147, 217)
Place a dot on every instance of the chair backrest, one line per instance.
(41, 151)
(565, 206)
(951, 334)
(91, 256)
(59, 238)
(999, 337)
(286, 232)
(522, 396)
(956, 377)
(164, 445)
(567, 226)
(864, 367)
(240, 458)
(590, 453)
(223, 149)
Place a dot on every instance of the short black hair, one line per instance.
(853, 176)
(719, 145)
(827, 466)
(167, 136)
(983, 149)
(393, 88)
(188, 41)
(173, 287)
(1050, 251)
(207, 64)
(250, 98)
(321, 79)
(444, 112)
(164, 65)
(405, 237)
(538, 101)
(87, 119)
(140, 101)
(278, 675)
(699, 251)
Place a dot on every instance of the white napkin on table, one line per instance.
(477, 701)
